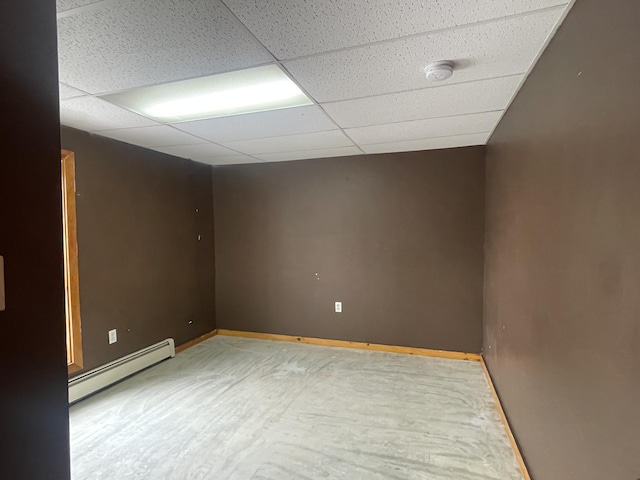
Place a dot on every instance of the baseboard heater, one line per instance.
(90, 382)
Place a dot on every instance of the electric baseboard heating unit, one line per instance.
(89, 382)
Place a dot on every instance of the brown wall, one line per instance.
(142, 268)
(34, 439)
(562, 313)
(397, 238)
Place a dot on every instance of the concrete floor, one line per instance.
(238, 409)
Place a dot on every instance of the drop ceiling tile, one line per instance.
(199, 152)
(445, 101)
(69, 92)
(288, 121)
(420, 129)
(160, 136)
(495, 49)
(304, 154)
(428, 143)
(290, 143)
(230, 160)
(129, 44)
(93, 114)
(291, 28)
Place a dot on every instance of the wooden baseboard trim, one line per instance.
(505, 423)
(423, 352)
(196, 341)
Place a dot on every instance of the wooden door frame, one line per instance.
(71, 280)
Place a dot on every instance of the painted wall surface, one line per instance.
(145, 246)
(562, 312)
(397, 238)
(34, 444)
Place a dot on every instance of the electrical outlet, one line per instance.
(338, 307)
(113, 336)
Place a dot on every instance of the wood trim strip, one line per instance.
(196, 341)
(505, 423)
(423, 352)
(71, 278)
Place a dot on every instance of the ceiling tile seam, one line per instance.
(83, 94)
(193, 159)
(543, 47)
(343, 131)
(91, 7)
(286, 71)
(206, 142)
(319, 105)
(98, 130)
(302, 149)
(155, 84)
(255, 158)
(309, 150)
(244, 155)
(426, 138)
(337, 125)
(176, 125)
(426, 118)
(128, 129)
(146, 147)
(193, 135)
(150, 146)
(273, 57)
(427, 33)
(234, 164)
(293, 79)
(223, 143)
(431, 87)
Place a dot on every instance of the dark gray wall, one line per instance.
(397, 238)
(34, 443)
(142, 268)
(562, 312)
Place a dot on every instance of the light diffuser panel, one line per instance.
(244, 91)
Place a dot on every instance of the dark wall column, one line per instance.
(33, 400)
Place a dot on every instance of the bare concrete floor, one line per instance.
(234, 408)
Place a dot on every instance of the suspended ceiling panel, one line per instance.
(289, 143)
(158, 136)
(294, 28)
(93, 114)
(360, 62)
(288, 121)
(128, 44)
(428, 143)
(497, 49)
(444, 101)
(417, 129)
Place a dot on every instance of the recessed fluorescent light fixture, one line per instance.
(244, 91)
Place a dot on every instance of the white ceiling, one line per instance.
(360, 61)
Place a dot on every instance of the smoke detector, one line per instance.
(439, 71)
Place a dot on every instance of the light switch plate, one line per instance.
(113, 336)
(338, 307)
(2, 301)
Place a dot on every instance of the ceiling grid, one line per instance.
(360, 62)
